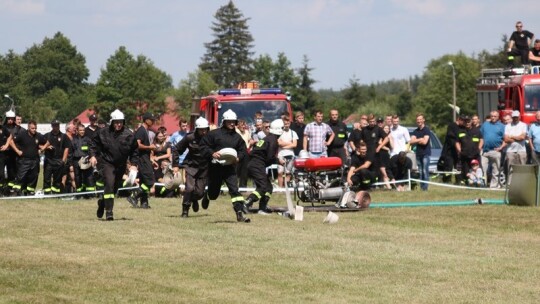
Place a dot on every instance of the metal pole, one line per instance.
(451, 64)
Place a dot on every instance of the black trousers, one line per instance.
(11, 165)
(338, 152)
(363, 179)
(3, 177)
(263, 185)
(53, 170)
(84, 179)
(146, 174)
(27, 174)
(217, 174)
(522, 53)
(112, 177)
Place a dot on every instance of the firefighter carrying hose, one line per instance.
(110, 149)
(211, 145)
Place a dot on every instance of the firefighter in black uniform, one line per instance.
(337, 146)
(195, 165)
(56, 156)
(110, 150)
(92, 128)
(141, 159)
(84, 179)
(361, 174)
(28, 145)
(211, 144)
(449, 156)
(11, 156)
(468, 146)
(5, 140)
(263, 154)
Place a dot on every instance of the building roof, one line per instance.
(169, 120)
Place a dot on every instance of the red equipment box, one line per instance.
(322, 164)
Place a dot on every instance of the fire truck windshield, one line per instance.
(271, 109)
(532, 97)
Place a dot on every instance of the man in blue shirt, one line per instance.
(493, 133)
(420, 140)
(534, 138)
(176, 137)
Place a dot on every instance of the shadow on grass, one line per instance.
(116, 219)
(191, 215)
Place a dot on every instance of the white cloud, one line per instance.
(23, 7)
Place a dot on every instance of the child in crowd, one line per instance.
(476, 175)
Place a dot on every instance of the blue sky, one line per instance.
(365, 39)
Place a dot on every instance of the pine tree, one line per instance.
(228, 57)
(304, 96)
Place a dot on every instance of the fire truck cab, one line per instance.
(507, 91)
(245, 101)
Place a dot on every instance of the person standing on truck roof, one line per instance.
(515, 134)
(534, 53)
(519, 44)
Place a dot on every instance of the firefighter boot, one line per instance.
(238, 209)
(186, 203)
(101, 208)
(185, 210)
(144, 200)
(133, 197)
(195, 205)
(205, 201)
(263, 206)
(252, 198)
(109, 204)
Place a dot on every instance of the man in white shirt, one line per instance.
(515, 134)
(287, 142)
(400, 135)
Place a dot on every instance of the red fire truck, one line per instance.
(507, 91)
(245, 101)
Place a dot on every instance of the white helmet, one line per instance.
(10, 113)
(229, 115)
(303, 154)
(117, 115)
(201, 123)
(276, 127)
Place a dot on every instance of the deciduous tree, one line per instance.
(133, 85)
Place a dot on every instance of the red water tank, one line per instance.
(300, 163)
(323, 164)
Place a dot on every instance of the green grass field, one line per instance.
(55, 251)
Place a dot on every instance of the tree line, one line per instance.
(50, 80)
